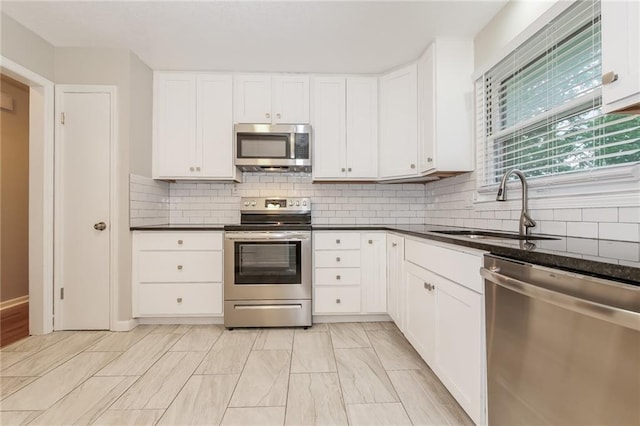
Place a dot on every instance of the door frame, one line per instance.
(113, 201)
(41, 136)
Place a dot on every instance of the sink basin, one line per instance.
(491, 235)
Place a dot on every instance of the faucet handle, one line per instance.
(528, 220)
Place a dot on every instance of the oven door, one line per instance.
(267, 265)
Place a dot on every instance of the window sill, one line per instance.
(619, 187)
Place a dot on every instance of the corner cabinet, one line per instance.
(398, 146)
(621, 56)
(344, 117)
(177, 274)
(349, 273)
(445, 318)
(271, 99)
(444, 105)
(193, 126)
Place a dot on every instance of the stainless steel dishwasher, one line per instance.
(562, 348)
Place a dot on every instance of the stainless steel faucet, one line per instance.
(526, 221)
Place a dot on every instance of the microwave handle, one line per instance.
(292, 145)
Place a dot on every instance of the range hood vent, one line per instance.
(275, 169)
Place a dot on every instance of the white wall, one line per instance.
(141, 101)
(25, 47)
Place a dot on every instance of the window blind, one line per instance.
(539, 109)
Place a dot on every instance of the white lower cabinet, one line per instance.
(445, 318)
(349, 272)
(396, 285)
(177, 273)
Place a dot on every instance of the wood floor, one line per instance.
(338, 374)
(14, 324)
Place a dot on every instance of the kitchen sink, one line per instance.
(491, 235)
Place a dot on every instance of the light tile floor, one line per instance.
(330, 374)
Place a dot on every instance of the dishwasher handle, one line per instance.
(597, 310)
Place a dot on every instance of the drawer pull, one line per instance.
(337, 277)
(180, 242)
(179, 267)
(338, 241)
(394, 244)
(337, 259)
(337, 300)
(370, 241)
(429, 287)
(179, 300)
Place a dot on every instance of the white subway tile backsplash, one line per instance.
(629, 214)
(608, 214)
(569, 215)
(618, 231)
(553, 228)
(582, 229)
(618, 250)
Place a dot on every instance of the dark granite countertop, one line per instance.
(618, 260)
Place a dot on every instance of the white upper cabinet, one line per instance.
(621, 56)
(398, 145)
(444, 104)
(193, 126)
(271, 99)
(344, 120)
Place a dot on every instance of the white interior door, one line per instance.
(82, 233)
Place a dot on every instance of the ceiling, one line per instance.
(270, 36)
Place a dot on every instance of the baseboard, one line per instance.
(124, 325)
(181, 320)
(14, 302)
(319, 319)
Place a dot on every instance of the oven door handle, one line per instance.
(267, 236)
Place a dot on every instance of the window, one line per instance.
(539, 109)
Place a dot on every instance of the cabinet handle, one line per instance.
(278, 115)
(179, 267)
(191, 169)
(394, 244)
(179, 242)
(337, 241)
(337, 259)
(179, 300)
(609, 77)
(338, 301)
(413, 166)
(342, 169)
(267, 115)
(429, 287)
(197, 169)
(429, 159)
(370, 241)
(338, 277)
(349, 169)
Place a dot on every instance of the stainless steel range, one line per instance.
(267, 266)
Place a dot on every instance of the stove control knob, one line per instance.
(253, 204)
(304, 202)
(298, 203)
(291, 203)
(246, 204)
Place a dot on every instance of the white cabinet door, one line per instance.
(373, 270)
(362, 127)
(444, 91)
(396, 297)
(621, 54)
(398, 144)
(215, 126)
(329, 127)
(252, 93)
(290, 99)
(420, 326)
(174, 137)
(459, 353)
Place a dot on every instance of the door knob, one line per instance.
(100, 226)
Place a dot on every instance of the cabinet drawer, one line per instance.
(338, 259)
(337, 276)
(336, 241)
(337, 300)
(170, 240)
(179, 266)
(180, 299)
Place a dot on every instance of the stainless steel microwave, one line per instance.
(273, 147)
